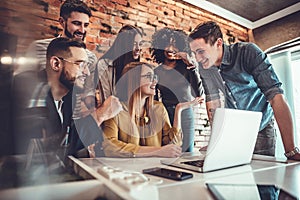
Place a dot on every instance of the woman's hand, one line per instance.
(170, 150)
(167, 151)
(190, 61)
(185, 105)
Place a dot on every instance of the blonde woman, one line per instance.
(143, 128)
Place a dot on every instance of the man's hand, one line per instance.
(91, 150)
(109, 109)
(295, 157)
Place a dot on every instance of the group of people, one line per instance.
(144, 110)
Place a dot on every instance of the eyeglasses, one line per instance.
(151, 77)
(81, 64)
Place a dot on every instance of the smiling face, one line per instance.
(137, 44)
(148, 81)
(208, 55)
(170, 52)
(76, 25)
(74, 71)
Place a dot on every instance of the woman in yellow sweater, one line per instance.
(143, 128)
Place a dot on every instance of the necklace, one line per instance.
(141, 122)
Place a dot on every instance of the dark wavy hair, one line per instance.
(121, 50)
(210, 31)
(70, 6)
(161, 39)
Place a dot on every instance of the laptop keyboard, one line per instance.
(197, 163)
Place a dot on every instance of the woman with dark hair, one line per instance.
(126, 48)
(142, 128)
(179, 77)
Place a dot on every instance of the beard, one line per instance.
(69, 83)
(70, 35)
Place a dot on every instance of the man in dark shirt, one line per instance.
(178, 81)
(50, 107)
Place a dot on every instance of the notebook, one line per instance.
(232, 142)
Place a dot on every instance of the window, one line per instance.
(295, 57)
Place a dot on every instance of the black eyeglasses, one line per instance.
(81, 64)
(151, 77)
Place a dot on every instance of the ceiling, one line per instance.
(249, 13)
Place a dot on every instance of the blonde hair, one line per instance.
(130, 90)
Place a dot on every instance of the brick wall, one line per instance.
(36, 19)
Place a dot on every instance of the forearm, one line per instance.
(211, 106)
(182, 106)
(177, 118)
(148, 151)
(284, 120)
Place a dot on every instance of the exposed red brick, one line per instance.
(122, 2)
(29, 21)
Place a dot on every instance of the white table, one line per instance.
(284, 175)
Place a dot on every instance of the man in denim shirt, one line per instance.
(239, 76)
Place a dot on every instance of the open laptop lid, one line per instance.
(232, 141)
(233, 138)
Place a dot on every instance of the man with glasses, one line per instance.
(74, 18)
(66, 70)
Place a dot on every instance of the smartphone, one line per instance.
(168, 173)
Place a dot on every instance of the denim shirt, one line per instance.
(246, 79)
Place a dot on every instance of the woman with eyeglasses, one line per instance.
(143, 128)
(179, 78)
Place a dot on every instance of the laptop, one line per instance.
(232, 142)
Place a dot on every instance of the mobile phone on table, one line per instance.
(168, 173)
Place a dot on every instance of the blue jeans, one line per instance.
(187, 127)
(266, 140)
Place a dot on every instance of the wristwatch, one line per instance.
(292, 153)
